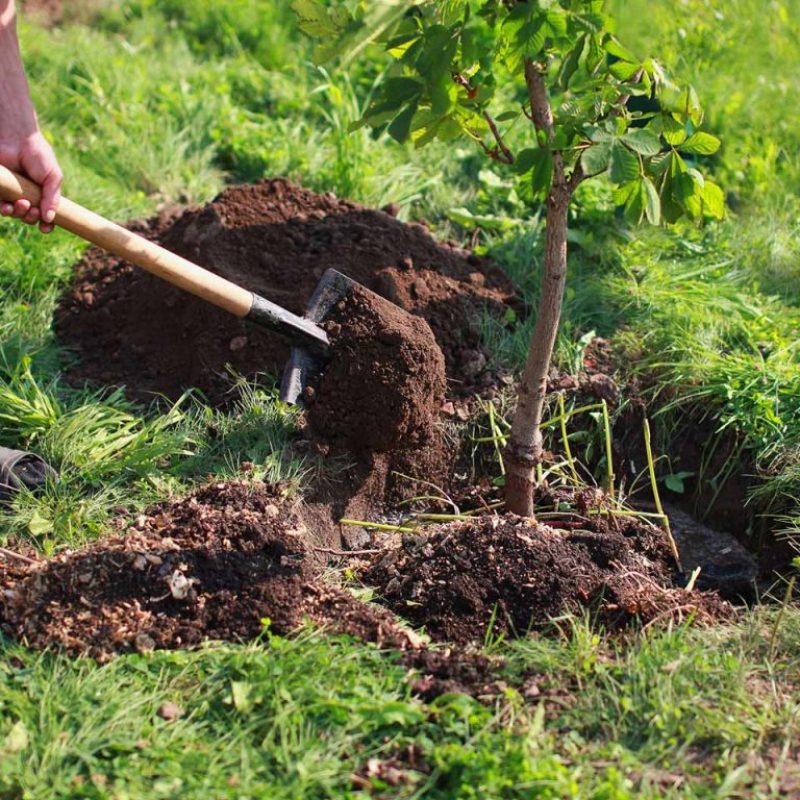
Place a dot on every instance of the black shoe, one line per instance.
(21, 470)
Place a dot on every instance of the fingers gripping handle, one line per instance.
(132, 247)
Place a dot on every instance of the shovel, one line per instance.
(310, 342)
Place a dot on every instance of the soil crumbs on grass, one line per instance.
(211, 566)
(506, 575)
(276, 239)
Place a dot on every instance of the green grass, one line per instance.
(678, 714)
(155, 102)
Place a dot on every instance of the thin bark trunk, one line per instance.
(524, 449)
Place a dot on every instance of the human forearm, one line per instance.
(17, 117)
(22, 145)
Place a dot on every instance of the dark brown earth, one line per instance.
(506, 576)
(384, 385)
(129, 328)
(211, 566)
(232, 557)
(47, 12)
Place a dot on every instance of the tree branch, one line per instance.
(501, 152)
(542, 115)
(541, 112)
(577, 177)
(622, 100)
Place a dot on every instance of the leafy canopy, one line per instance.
(458, 69)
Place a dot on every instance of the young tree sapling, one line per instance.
(481, 69)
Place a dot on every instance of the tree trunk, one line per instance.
(524, 450)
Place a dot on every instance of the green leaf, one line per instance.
(570, 64)
(660, 162)
(591, 23)
(595, 159)
(673, 131)
(401, 89)
(489, 222)
(713, 200)
(542, 175)
(597, 134)
(314, 18)
(624, 164)
(684, 103)
(652, 208)
(556, 21)
(241, 694)
(38, 524)
(643, 141)
(526, 30)
(636, 205)
(615, 48)
(701, 143)
(507, 116)
(400, 127)
(675, 481)
(526, 159)
(623, 70)
(443, 94)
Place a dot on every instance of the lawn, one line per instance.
(155, 103)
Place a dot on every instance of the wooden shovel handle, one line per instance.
(132, 247)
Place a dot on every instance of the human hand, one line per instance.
(32, 156)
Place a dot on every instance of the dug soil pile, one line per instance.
(507, 576)
(212, 566)
(47, 12)
(129, 328)
(385, 383)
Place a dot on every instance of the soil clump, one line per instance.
(211, 566)
(506, 576)
(384, 385)
(129, 328)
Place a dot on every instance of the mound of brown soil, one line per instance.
(46, 12)
(385, 383)
(129, 328)
(506, 575)
(212, 566)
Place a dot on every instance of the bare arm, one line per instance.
(22, 145)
